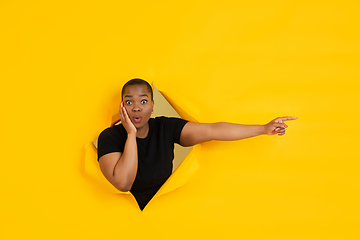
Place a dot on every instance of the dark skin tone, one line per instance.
(135, 111)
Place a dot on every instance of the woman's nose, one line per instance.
(136, 108)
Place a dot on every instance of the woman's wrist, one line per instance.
(132, 135)
(263, 129)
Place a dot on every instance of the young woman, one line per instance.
(137, 154)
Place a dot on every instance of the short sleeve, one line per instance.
(111, 140)
(175, 126)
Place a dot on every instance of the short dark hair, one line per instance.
(137, 81)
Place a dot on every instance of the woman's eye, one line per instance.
(143, 101)
(128, 102)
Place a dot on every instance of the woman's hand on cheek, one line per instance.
(126, 121)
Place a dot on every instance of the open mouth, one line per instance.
(137, 119)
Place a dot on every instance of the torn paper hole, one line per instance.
(184, 169)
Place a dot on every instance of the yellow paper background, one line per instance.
(62, 65)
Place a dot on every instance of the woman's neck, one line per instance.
(143, 132)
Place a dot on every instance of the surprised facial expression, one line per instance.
(138, 104)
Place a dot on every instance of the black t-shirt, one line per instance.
(155, 154)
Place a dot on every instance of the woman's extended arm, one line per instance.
(194, 133)
(120, 168)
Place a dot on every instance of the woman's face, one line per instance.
(138, 104)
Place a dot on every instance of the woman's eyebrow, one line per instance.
(141, 95)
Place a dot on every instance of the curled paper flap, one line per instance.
(186, 110)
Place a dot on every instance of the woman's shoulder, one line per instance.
(113, 130)
(164, 118)
(169, 121)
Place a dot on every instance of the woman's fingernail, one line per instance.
(279, 134)
(286, 126)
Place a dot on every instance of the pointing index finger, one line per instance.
(287, 118)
